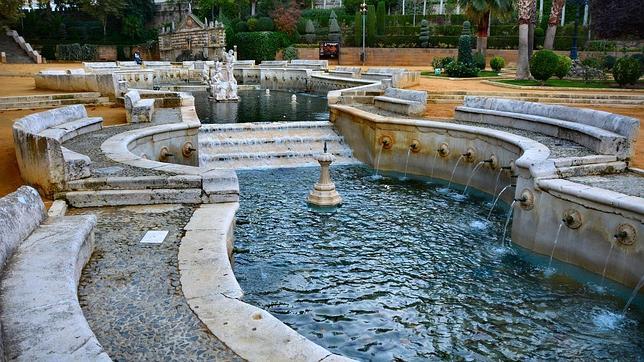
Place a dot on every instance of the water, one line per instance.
(467, 185)
(407, 163)
(610, 251)
(404, 271)
(257, 106)
(507, 222)
(496, 183)
(375, 174)
(434, 163)
(497, 200)
(454, 170)
(637, 288)
(554, 246)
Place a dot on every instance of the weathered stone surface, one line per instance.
(221, 186)
(45, 321)
(407, 102)
(42, 161)
(616, 134)
(135, 183)
(57, 209)
(132, 197)
(138, 110)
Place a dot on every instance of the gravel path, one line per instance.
(131, 293)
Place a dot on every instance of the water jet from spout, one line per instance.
(454, 170)
(472, 175)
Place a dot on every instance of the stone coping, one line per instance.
(614, 200)
(534, 158)
(211, 289)
(563, 89)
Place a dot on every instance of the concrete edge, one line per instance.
(213, 294)
(514, 86)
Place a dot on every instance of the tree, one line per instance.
(103, 9)
(423, 38)
(617, 18)
(553, 21)
(479, 12)
(381, 12)
(524, 10)
(371, 25)
(214, 4)
(10, 11)
(335, 33)
(285, 17)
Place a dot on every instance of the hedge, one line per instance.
(260, 45)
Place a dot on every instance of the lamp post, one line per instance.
(363, 11)
(573, 48)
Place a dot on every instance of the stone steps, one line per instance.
(262, 145)
(14, 52)
(459, 99)
(135, 183)
(103, 198)
(51, 101)
(592, 169)
(440, 97)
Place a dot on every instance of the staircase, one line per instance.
(14, 52)
(269, 145)
(622, 99)
(51, 100)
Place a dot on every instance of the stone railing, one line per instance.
(43, 161)
(33, 54)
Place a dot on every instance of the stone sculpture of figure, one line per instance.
(223, 85)
(205, 74)
(218, 85)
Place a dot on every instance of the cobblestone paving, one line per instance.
(131, 294)
(102, 166)
(628, 183)
(559, 148)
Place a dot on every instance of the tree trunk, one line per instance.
(523, 62)
(553, 20)
(252, 7)
(481, 33)
(104, 27)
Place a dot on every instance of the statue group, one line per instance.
(222, 82)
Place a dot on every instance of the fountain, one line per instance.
(223, 85)
(490, 161)
(454, 170)
(268, 92)
(497, 199)
(324, 193)
(637, 288)
(554, 245)
(293, 98)
(507, 221)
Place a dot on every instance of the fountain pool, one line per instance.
(257, 106)
(407, 270)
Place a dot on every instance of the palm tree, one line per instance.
(479, 12)
(553, 20)
(524, 10)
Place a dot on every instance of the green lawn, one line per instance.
(483, 73)
(569, 83)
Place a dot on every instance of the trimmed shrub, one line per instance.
(335, 33)
(465, 45)
(627, 71)
(592, 62)
(382, 16)
(423, 38)
(265, 24)
(310, 32)
(608, 62)
(539, 33)
(357, 29)
(563, 66)
(461, 70)
(640, 58)
(241, 27)
(252, 24)
(260, 45)
(543, 65)
(439, 62)
(290, 53)
(479, 61)
(75, 52)
(497, 63)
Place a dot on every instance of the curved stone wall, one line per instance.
(548, 198)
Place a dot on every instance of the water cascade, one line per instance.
(507, 221)
(454, 170)
(610, 251)
(472, 174)
(637, 288)
(554, 245)
(497, 199)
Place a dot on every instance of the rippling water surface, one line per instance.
(407, 270)
(256, 106)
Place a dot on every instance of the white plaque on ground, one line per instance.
(154, 237)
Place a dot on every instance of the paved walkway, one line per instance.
(131, 293)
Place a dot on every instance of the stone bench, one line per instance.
(321, 65)
(94, 67)
(156, 64)
(42, 260)
(602, 132)
(42, 160)
(402, 101)
(273, 64)
(138, 110)
(351, 72)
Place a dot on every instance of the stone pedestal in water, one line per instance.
(324, 193)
